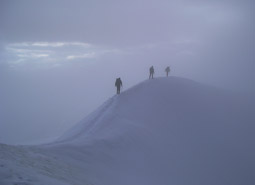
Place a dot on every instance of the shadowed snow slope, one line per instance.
(165, 131)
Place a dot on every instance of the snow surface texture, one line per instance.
(165, 131)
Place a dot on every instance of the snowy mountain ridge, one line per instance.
(165, 131)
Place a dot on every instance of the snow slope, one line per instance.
(165, 131)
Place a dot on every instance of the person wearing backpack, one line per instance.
(167, 70)
(151, 72)
(118, 84)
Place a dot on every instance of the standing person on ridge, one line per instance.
(167, 70)
(118, 84)
(151, 72)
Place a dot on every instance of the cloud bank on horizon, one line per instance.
(51, 54)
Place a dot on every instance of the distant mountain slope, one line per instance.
(160, 132)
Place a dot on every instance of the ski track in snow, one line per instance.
(91, 120)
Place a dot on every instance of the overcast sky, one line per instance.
(59, 59)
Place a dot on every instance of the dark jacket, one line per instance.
(118, 82)
(167, 69)
(151, 69)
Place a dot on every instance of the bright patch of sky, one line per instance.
(50, 53)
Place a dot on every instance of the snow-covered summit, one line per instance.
(158, 104)
(160, 132)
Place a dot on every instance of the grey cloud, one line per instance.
(109, 22)
(211, 41)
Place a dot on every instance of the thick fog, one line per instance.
(59, 59)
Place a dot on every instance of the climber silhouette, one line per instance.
(167, 70)
(151, 72)
(118, 84)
